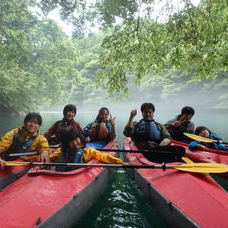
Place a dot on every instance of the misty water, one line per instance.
(121, 205)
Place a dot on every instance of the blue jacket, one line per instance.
(214, 145)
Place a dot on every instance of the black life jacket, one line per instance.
(19, 145)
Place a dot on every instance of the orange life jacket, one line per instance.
(99, 131)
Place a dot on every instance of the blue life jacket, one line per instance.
(72, 155)
(147, 130)
(18, 146)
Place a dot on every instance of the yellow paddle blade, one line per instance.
(199, 138)
(13, 163)
(187, 160)
(202, 167)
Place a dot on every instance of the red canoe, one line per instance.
(208, 155)
(10, 174)
(182, 199)
(46, 198)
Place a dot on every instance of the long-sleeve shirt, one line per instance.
(90, 153)
(177, 132)
(57, 128)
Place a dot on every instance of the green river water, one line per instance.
(122, 205)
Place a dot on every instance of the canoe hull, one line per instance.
(182, 199)
(161, 204)
(71, 212)
(46, 198)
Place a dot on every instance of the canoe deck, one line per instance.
(183, 199)
(52, 199)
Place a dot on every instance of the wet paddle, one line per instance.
(191, 167)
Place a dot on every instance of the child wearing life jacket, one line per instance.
(25, 139)
(102, 130)
(72, 151)
(53, 135)
(205, 132)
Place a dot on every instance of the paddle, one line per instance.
(6, 156)
(200, 138)
(191, 167)
(136, 151)
(22, 154)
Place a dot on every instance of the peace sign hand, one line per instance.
(112, 120)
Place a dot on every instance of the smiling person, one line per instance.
(25, 139)
(102, 130)
(53, 135)
(72, 150)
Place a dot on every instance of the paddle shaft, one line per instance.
(137, 151)
(105, 165)
(22, 154)
(191, 167)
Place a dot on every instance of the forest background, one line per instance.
(178, 57)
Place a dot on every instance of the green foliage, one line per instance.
(40, 66)
(193, 41)
(37, 58)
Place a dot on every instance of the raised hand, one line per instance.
(133, 113)
(112, 120)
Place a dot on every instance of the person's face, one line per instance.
(148, 114)
(75, 143)
(205, 133)
(32, 126)
(187, 117)
(104, 115)
(70, 115)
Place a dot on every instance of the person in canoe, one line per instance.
(102, 130)
(206, 133)
(53, 135)
(151, 135)
(181, 124)
(25, 139)
(72, 150)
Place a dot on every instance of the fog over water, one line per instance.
(214, 119)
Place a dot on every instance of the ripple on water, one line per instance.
(120, 206)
